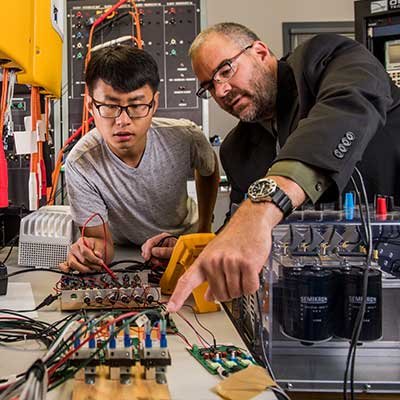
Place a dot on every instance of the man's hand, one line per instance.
(88, 254)
(159, 247)
(231, 262)
(85, 255)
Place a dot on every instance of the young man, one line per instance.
(132, 169)
(305, 122)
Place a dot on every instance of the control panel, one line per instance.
(167, 31)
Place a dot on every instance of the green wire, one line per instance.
(104, 344)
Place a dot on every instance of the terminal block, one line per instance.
(87, 374)
(120, 360)
(155, 361)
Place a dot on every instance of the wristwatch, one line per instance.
(266, 189)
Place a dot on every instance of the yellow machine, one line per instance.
(16, 34)
(186, 250)
(31, 35)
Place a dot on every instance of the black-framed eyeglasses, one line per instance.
(225, 71)
(115, 110)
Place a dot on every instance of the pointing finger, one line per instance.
(208, 295)
(189, 281)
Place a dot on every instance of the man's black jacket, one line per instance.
(330, 89)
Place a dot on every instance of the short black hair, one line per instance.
(125, 68)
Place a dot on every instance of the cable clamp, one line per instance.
(38, 368)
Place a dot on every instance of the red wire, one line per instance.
(104, 265)
(77, 132)
(194, 329)
(184, 339)
(92, 335)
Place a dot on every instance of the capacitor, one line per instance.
(350, 283)
(308, 303)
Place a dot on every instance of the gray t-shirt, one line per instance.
(141, 202)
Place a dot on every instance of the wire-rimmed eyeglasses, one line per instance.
(225, 71)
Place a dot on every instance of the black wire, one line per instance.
(13, 240)
(200, 324)
(26, 328)
(45, 302)
(64, 344)
(12, 387)
(132, 262)
(361, 313)
(159, 244)
(109, 24)
(97, 351)
(362, 217)
(56, 271)
(351, 356)
(368, 217)
(267, 365)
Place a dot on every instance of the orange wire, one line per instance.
(85, 111)
(137, 25)
(57, 167)
(3, 102)
(113, 321)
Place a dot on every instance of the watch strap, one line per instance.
(282, 201)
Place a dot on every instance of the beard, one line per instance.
(262, 99)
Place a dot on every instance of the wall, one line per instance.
(265, 17)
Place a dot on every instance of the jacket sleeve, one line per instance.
(352, 95)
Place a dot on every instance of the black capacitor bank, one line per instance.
(308, 295)
(350, 281)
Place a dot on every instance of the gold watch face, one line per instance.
(262, 189)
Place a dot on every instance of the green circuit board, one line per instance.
(222, 359)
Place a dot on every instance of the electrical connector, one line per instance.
(112, 344)
(163, 333)
(92, 340)
(349, 206)
(77, 341)
(148, 342)
(127, 338)
(48, 300)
